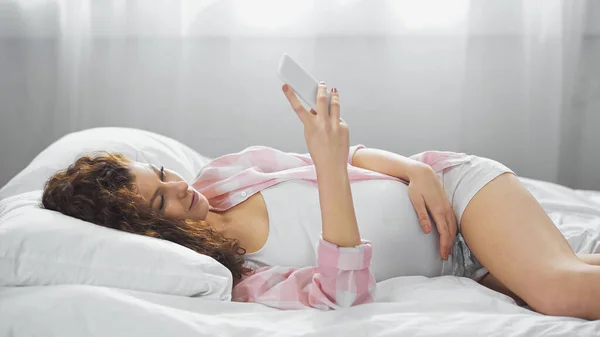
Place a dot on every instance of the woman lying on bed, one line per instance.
(291, 242)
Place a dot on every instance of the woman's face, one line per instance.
(166, 192)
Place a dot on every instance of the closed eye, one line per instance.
(162, 197)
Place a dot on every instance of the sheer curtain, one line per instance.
(493, 78)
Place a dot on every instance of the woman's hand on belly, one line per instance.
(427, 194)
(425, 191)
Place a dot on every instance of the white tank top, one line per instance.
(385, 217)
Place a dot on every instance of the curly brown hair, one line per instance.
(99, 188)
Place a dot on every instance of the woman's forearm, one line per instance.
(386, 162)
(337, 209)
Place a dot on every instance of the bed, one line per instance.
(40, 295)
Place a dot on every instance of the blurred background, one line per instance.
(516, 81)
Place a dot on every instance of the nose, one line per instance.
(179, 188)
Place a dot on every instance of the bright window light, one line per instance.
(431, 14)
(271, 13)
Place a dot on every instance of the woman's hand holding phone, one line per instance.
(326, 135)
(327, 138)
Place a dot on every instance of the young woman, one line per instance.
(261, 211)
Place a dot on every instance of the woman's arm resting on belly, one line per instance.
(386, 162)
(425, 190)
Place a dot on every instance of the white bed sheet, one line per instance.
(410, 306)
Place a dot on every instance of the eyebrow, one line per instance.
(155, 192)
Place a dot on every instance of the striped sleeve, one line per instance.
(341, 278)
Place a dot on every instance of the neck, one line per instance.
(220, 222)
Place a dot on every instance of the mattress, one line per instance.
(405, 306)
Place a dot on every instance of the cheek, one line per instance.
(175, 210)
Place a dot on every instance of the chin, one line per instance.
(202, 211)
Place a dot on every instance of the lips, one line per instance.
(194, 199)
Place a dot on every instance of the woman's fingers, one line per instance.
(419, 205)
(322, 103)
(445, 238)
(443, 221)
(328, 109)
(334, 105)
(295, 103)
(432, 205)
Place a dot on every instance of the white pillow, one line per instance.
(42, 247)
(140, 145)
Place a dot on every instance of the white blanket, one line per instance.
(409, 306)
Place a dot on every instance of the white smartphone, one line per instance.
(303, 83)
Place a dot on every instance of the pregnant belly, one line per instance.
(387, 218)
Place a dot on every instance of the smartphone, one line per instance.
(303, 83)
